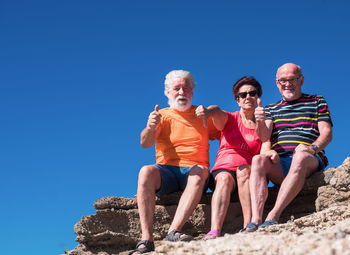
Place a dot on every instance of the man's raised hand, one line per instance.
(154, 118)
(203, 113)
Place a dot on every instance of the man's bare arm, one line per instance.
(219, 116)
(326, 135)
(150, 133)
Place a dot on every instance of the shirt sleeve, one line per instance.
(323, 110)
(268, 115)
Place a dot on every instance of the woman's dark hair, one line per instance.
(246, 80)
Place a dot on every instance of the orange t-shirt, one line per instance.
(183, 140)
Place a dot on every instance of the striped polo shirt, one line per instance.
(296, 122)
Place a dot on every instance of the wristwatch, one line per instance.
(314, 147)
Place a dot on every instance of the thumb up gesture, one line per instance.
(259, 111)
(154, 118)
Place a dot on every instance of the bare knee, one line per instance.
(149, 176)
(260, 160)
(301, 157)
(198, 175)
(243, 174)
(303, 164)
(223, 180)
(260, 163)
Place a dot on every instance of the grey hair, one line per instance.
(178, 74)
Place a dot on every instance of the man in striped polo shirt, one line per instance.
(299, 128)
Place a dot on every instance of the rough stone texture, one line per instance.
(326, 233)
(115, 227)
(119, 229)
(337, 188)
(115, 203)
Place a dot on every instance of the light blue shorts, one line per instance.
(286, 161)
(173, 178)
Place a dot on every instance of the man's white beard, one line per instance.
(181, 103)
(288, 95)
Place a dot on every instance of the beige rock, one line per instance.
(337, 188)
(326, 232)
(115, 227)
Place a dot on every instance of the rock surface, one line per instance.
(326, 232)
(337, 188)
(115, 227)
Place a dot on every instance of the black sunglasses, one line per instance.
(251, 93)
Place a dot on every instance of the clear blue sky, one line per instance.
(79, 78)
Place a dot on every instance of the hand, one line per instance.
(154, 118)
(259, 111)
(272, 154)
(203, 112)
(304, 148)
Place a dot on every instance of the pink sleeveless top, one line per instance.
(238, 144)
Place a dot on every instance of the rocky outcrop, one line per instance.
(326, 232)
(115, 227)
(337, 188)
(116, 224)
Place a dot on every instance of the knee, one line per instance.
(243, 174)
(300, 157)
(224, 180)
(148, 175)
(260, 162)
(198, 175)
(303, 163)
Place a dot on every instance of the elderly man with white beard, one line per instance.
(182, 158)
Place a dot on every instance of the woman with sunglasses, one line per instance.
(239, 143)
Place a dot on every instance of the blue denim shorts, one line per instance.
(286, 161)
(173, 178)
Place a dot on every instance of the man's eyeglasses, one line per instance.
(284, 82)
(252, 93)
(185, 89)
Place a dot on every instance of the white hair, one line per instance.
(175, 74)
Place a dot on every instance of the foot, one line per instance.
(251, 227)
(143, 246)
(176, 236)
(212, 234)
(268, 223)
